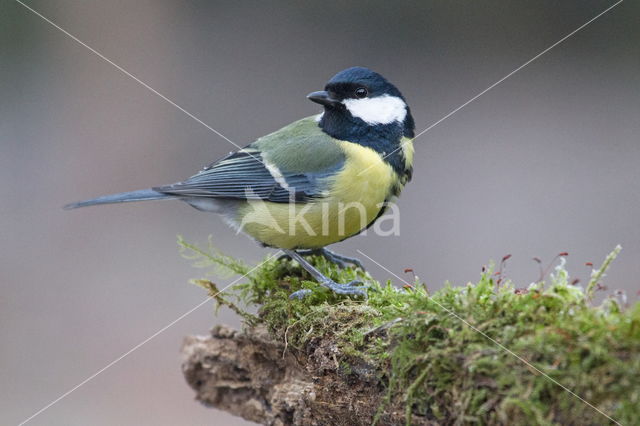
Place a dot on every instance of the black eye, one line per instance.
(361, 92)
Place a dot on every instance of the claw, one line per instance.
(300, 294)
(353, 288)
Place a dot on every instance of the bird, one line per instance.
(315, 182)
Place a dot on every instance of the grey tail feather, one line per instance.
(123, 197)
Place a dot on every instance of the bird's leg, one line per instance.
(340, 260)
(353, 288)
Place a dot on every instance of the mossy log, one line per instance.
(485, 353)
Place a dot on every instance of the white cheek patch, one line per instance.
(383, 109)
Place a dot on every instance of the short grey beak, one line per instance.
(323, 98)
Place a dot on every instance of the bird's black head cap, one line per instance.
(346, 82)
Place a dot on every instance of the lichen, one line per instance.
(484, 353)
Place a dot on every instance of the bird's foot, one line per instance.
(353, 288)
(340, 260)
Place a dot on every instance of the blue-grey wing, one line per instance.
(245, 175)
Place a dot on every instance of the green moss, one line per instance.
(472, 353)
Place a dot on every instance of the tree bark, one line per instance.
(248, 374)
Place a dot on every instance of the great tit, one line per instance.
(315, 182)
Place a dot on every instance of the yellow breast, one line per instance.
(355, 197)
(365, 181)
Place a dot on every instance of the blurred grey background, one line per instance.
(545, 162)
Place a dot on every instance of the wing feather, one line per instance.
(242, 176)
